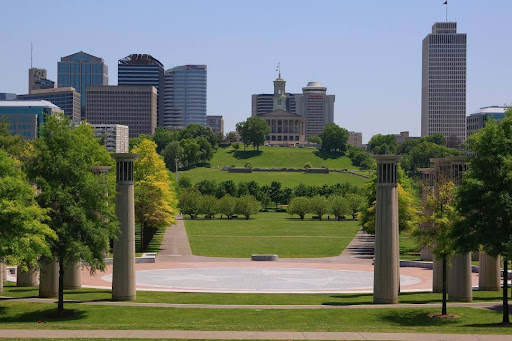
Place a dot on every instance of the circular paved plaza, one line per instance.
(269, 280)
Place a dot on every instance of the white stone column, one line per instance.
(48, 278)
(437, 275)
(489, 277)
(460, 288)
(27, 278)
(73, 276)
(386, 280)
(427, 177)
(123, 276)
(2, 275)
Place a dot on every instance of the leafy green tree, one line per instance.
(14, 145)
(360, 158)
(236, 146)
(191, 152)
(419, 156)
(356, 202)
(253, 130)
(209, 206)
(184, 182)
(189, 202)
(193, 131)
(275, 192)
(207, 187)
(81, 215)
(243, 188)
(247, 205)
(440, 221)
(205, 150)
(436, 138)
(229, 187)
(299, 206)
(383, 144)
(334, 138)
(319, 205)
(24, 234)
(231, 137)
(485, 197)
(227, 206)
(314, 139)
(154, 197)
(137, 140)
(339, 206)
(163, 137)
(171, 152)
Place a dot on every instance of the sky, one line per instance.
(366, 52)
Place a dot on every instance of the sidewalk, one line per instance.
(239, 335)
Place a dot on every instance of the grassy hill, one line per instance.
(280, 157)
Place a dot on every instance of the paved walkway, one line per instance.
(478, 305)
(240, 335)
(175, 242)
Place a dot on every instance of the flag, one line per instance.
(277, 67)
(445, 3)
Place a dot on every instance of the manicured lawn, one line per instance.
(275, 233)
(19, 315)
(409, 249)
(88, 294)
(277, 157)
(287, 179)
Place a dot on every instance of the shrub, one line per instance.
(247, 206)
(208, 206)
(308, 165)
(236, 146)
(299, 206)
(190, 203)
(248, 164)
(184, 182)
(319, 205)
(340, 206)
(227, 206)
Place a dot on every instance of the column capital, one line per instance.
(388, 158)
(124, 167)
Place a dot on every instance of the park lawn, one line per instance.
(279, 157)
(274, 233)
(22, 315)
(409, 248)
(89, 294)
(287, 179)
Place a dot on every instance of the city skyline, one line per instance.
(367, 53)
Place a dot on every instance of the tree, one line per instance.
(383, 144)
(154, 197)
(299, 206)
(314, 139)
(24, 233)
(163, 137)
(209, 206)
(15, 145)
(419, 156)
(184, 182)
(484, 198)
(334, 138)
(253, 130)
(319, 205)
(227, 206)
(356, 202)
(193, 131)
(229, 187)
(247, 205)
(171, 152)
(231, 137)
(205, 150)
(191, 152)
(189, 202)
(440, 221)
(207, 187)
(137, 140)
(339, 206)
(274, 192)
(243, 130)
(81, 215)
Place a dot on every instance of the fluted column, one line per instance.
(123, 276)
(386, 280)
(489, 277)
(48, 278)
(460, 288)
(27, 278)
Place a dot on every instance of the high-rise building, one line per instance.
(7, 96)
(26, 117)
(355, 139)
(130, 105)
(316, 107)
(443, 93)
(65, 98)
(216, 123)
(37, 80)
(264, 103)
(114, 137)
(143, 69)
(185, 96)
(477, 120)
(80, 70)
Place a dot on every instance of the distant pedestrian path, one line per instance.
(175, 242)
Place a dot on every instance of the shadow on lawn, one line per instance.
(40, 316)
(243, 155)
(409, 318)
(328, 155)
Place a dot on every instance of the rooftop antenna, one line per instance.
(31, 53)
(446, 4)
(278, 68)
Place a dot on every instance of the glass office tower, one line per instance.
(143, 69)
(185, 96)
(80, 70)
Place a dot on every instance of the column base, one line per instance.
(380, 300)
(123, 298)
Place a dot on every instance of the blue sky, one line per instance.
(367, 52)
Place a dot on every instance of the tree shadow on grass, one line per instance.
(348, 299)
(411, 318)
(43, 315)
(328, 155)
(243, 155)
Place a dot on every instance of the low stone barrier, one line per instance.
(317, 170)
(240, 170)
(257, 257)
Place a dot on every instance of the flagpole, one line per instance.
(446, 11)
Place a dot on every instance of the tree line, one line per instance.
(337, 205)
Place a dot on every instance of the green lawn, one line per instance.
(287, 179)
(278, 157)
(88, 294)
(20, 315)
(409, 248)
(275, 233)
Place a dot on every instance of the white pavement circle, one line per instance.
(264, 280)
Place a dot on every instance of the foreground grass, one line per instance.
(275, 233)
(21, 315)
(91, 295)
(287, 179)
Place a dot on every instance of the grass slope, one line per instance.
(20, 315)
(275, 233)
(287, 179)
